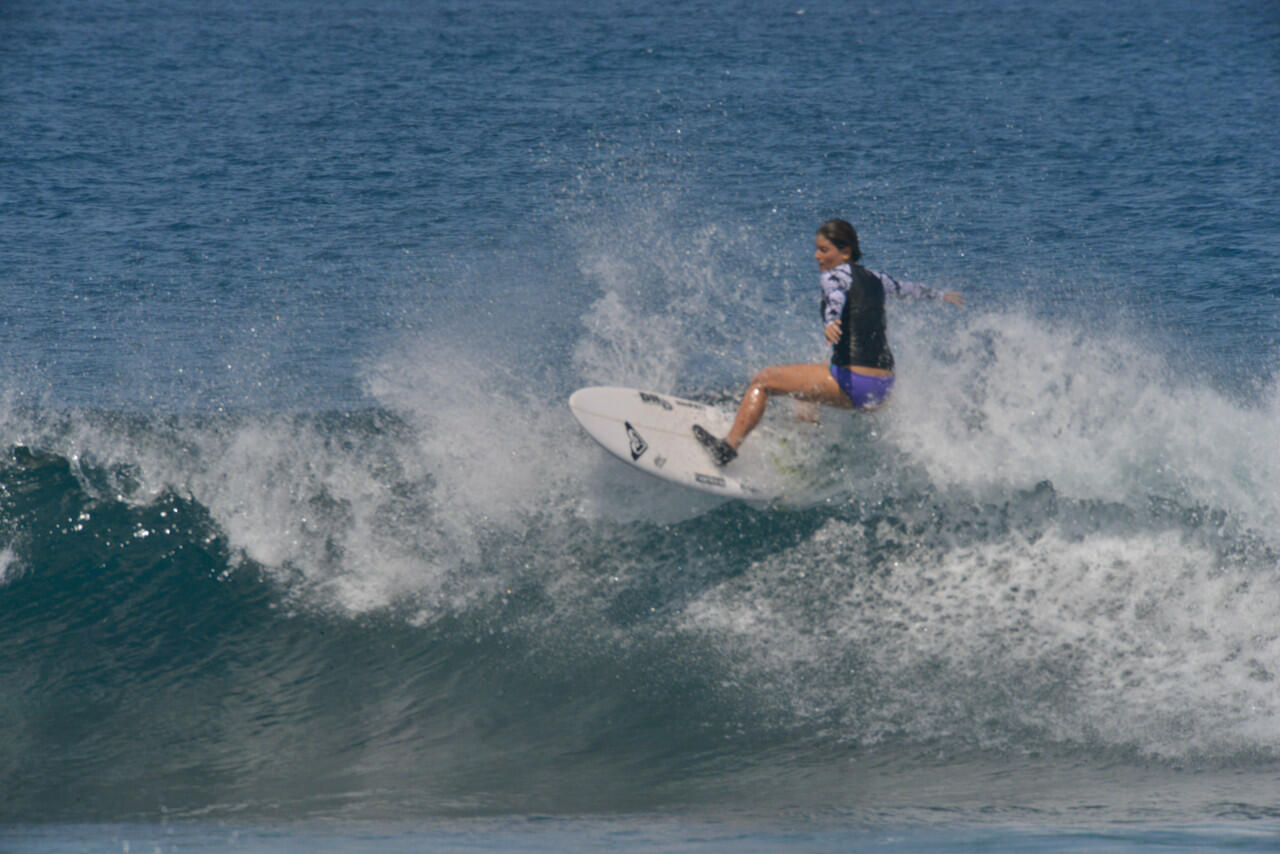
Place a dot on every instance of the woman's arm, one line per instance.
(916, 290)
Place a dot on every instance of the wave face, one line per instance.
(1044, 548)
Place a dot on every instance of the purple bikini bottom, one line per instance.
(865, 392)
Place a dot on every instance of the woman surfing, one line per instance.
(860, 374)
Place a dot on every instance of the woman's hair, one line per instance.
(842, 236)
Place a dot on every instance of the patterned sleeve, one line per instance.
(906, 289)
(835, 290)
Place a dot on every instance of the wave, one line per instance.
(1048, 542)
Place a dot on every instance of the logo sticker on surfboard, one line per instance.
(638, 444)
(655, 400)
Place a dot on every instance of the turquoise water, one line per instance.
(301, 549)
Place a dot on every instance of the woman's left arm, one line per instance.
(917, 290)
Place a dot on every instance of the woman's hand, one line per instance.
(833, 332)
(954, 298)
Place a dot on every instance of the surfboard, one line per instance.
(653, 432)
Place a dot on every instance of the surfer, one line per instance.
(860, 375)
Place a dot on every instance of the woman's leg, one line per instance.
(812, 383)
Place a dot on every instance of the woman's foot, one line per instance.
(721, 451)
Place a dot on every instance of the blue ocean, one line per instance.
(301, 548)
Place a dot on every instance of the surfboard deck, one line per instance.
(653, 432)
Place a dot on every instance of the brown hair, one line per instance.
(842, 236)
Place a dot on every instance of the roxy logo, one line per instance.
(638, 444)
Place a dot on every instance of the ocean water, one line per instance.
(301, 548)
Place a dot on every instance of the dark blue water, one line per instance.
(300, 546)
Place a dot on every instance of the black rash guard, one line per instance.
(855, 296)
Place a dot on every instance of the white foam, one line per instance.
(1151, 632)
(10, 568)
(1006, 400)
(1140, 640)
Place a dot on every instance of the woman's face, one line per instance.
(828, 256)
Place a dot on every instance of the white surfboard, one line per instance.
(654, 433)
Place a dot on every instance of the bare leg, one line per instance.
(812, 383)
